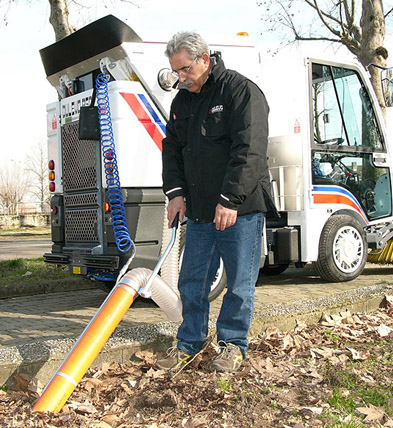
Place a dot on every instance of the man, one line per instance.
(215, 172)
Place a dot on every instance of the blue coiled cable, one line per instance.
(115, 198)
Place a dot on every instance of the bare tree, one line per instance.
(59, 19)
(37, 168)
(357, 24)
(59, 12)
(13, 188)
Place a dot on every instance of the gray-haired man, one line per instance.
(215, 172)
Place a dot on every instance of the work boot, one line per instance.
(229, 359)
(174, 360)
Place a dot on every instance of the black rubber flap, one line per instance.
(99, 36)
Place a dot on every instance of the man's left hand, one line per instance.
(224, 217)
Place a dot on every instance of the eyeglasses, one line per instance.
(184, 70)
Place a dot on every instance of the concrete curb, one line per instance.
(42, 359)
(19, 290)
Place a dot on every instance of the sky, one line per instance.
(25, 92)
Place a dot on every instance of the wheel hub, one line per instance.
(348, 249)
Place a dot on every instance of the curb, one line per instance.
(41, 359)
(55, 286)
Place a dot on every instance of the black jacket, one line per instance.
(215, 146)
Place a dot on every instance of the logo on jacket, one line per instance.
(216, 109)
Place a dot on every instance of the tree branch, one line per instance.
(327, 39)
(322, 14)
(388, 13)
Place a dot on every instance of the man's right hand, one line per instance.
(176, 205)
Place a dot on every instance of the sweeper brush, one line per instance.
(382, 257)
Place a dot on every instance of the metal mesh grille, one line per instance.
(79, 160)
(81, 199)
(80, 187)
(81, 226)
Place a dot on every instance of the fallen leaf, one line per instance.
(322, 352)
(372, 413)
(389, 301)
(288, 341)
(91, 383)
(101, 424)
(35, 386)
(86, 408)
(110, 419)
(146, 356)
(270, 332)
(356, 355)
(384, 330)
(21, 381)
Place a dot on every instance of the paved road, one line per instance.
(24, 248)
(64, 315)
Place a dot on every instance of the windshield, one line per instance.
(343, 112)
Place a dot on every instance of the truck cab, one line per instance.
(330, 162)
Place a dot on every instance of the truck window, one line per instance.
(346, 137)
(342, 110)
(357, 176)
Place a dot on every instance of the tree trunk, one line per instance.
(59, 19)
(372, 50)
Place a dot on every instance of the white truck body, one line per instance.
(329, 153)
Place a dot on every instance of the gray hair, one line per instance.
(193, 43)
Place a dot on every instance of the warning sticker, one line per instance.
(54, 122)
(296, 127)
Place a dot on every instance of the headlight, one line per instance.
(166, 79)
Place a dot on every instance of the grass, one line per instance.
(24, 232)
(349, 391)
(224, 384)
(26, 271)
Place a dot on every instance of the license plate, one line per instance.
(76, 270)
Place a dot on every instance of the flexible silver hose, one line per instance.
(161, 293)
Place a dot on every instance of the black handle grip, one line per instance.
(175, 222)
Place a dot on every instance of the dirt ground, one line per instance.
(337, 373)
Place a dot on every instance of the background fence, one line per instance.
(24, 220)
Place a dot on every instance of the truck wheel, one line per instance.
(271, 270)
(342, 249)
(220, 280)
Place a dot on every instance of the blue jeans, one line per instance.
(239, 246)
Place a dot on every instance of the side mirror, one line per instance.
(387, 86)
(167, 80)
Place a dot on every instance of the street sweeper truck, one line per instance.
(329, 155)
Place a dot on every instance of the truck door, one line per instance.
(348, 152)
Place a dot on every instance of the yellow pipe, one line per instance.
(87, 347)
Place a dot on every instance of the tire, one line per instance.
(220, 281)
(272, 270)
(342, 249)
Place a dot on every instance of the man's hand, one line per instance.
(224, 217)
(176, 205)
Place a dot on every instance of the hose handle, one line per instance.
(175, 223)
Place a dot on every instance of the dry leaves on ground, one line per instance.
(287, 381)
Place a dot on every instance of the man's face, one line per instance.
(192, 72)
